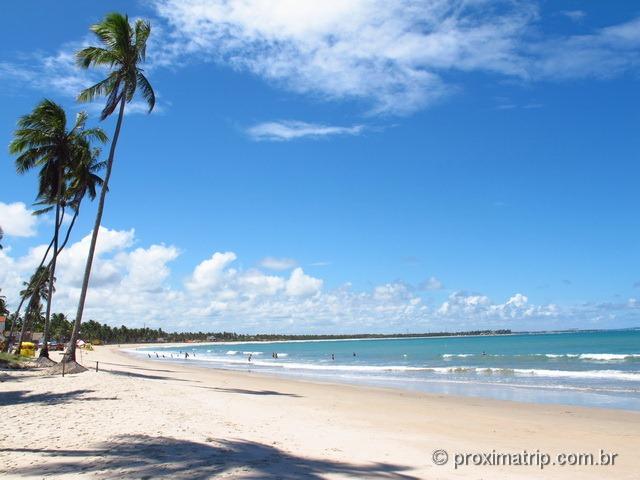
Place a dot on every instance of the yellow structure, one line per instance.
(28, 349)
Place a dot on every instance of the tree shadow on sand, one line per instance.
(244, 391)
(48, 398)
(137, 367)
(141, 456)
(146, 376)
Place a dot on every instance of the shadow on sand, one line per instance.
(141, 456)
(48, 398)
(243, 391)
(146, 376)
(136, 367)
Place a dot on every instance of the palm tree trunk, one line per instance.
(70, 354)
(44, 351)
(17, 312)
(25, 322)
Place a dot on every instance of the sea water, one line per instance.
(593, 368)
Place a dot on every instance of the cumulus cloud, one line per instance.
(432, 283)
(291, 129)
(301, 284)
(211, 273)
(133, 284)
(463, 306)
(17, 220)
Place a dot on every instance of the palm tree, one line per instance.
(1, 236)
(36, 289)
(123, 50)
(42, 140)
(3, 306)
(3, 313)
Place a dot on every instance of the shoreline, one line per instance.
(531, 384)
(136, 418)
(320, 381)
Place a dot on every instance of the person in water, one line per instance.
(333, 357)
(250, 356)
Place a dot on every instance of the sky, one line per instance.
(341, 167)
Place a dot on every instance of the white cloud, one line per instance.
(211, 273)
(273, 263)
(301, 284)
(132, 284)
(17, 220)
(605, 53)
(58, 73)
(574, 15)
(432, 283)
(396, 57)
(292, 129)
(391, 55)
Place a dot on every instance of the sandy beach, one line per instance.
(137, 418)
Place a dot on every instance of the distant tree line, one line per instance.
(61, 328)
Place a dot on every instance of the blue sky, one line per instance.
(435, 166)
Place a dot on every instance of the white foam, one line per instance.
(607, 357)
(593, 374)
(232, 352)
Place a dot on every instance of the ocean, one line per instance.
(590, 368)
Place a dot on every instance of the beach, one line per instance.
(138, 418)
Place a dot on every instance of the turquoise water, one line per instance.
(595, 368)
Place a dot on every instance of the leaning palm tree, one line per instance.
(123, 50)
(36, 289)
(43, 140)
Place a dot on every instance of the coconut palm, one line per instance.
(1, 236)
(36, 289)
(123, 50)
(43, 140)
(3, 306)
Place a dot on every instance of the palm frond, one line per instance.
(103, 87)
(147, 91)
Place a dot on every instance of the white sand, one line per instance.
(147, 419)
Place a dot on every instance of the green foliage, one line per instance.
(93, 330)
(8, 360)
(60, 327)
(43, 141)
(3, 305)
(123, 48)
